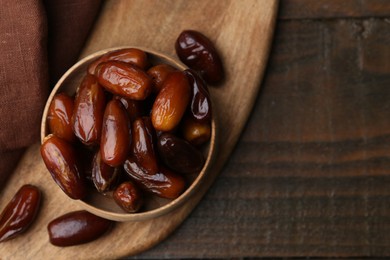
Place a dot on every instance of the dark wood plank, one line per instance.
(320, 9)
(311, 173)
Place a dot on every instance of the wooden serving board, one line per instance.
(242, 32)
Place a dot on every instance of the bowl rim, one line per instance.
(171, 205)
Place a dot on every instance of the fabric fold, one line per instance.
(39, 41)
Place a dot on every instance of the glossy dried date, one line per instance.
(198, 52)
(134, 56)
(164, 183)
(128, 197)
(195, 132)
(104, 176)
(61, 161)
(124, 79)
(20, 212)
(200, 104)
(77, 227)
(159, 73)
(143, 145)
(171, 102)
(178, 154)
(59, 117)
(116, 134)
(88, 111)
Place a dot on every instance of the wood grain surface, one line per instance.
(310, 175)
(241, 30)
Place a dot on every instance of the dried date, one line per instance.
(20, 212)
(199, 53)
(88, 111)
(77, 227)
(178, 154)
(171, 102)
(124, 79)
(59, 117)
(116, 134)
(60, 159)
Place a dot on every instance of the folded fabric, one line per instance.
(39, 41)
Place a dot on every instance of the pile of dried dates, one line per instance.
(133, 128)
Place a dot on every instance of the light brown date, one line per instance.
(61, 161)
(134, 56)
(124, 79)
(199, 53)
(104, 176)
(20, 212)
(159, 73)
(178, 154)
(171, 102)
(128, 197)
(77, 227)
(164, 183)
(59, 117)
(88, 111)
(195, 132)
(143, 149)
(116, 134)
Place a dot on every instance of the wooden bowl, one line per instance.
(104, 205)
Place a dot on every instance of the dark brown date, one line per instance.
(88, 111)
(61, 161)
(143, 144)
(104, 176)
(85, 155)
(195, 132)
(198, 52)
(164, 183)
(171, 102)
(200, 104)
(128, 197)
(159, 73)
(134, 56)
(178, 154)
(20, 212)
(59, 117)
(116, 134)
(77, 227)
(124, 79)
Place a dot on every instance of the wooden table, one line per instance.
(310, 175)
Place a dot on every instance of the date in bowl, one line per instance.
(128, 133)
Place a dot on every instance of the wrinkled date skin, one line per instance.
(178, 154)
(88, 111)
(104, 176)
(20, 212)
(200, 104)
(116, 134)
(159, 73)
(60, 115)
(77, 227)
(124, 79)
(130, 55)
(198, 52)
(171, 102)
(128, 197)
(61, 161)
(195, 132)
(164, 183)
(143, 149)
